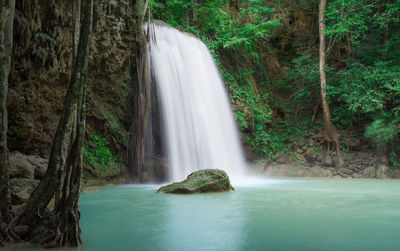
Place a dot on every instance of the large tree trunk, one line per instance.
(140, 99)
(68, 229)
(6, 39)
(51, 182)
(76, 19)
(331, 134)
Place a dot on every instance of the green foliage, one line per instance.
(394, 158)
(253, 115)
(370, 83)
(37, 53)
(243, 33)
(367, 89)
(215, 24)
(303, 79)
(98, 155)
(317, 149)
(266, 142)
(45, 37)
(248, 103)
(383, 131)
(117, 126)
(349, 18)
(344, 146)
(363, 72)
(5, 59)
(124, 81)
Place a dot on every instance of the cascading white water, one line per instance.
(198, 120)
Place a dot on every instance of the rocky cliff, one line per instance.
(42, 61)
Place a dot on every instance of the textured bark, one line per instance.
(76, 19)
(62, 190)
(7, 8)
(48, 186)
(331, 135)
(68, 229)
(140, 99)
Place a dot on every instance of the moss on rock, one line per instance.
(202, 181)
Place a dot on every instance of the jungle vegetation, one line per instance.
(291, 68)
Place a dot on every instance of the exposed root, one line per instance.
(3, 238)
(9, 232)
(46, 240)
(7, 236)
(68, 230)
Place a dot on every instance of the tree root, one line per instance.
(68, 230)
(7, 236)
(3, 238)
(9, 232)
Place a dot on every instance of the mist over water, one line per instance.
(199, 126)
(278, 214)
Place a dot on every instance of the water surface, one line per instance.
(282, 214)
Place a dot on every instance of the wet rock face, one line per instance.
(202, 181)
(154, 170)
(42, 62)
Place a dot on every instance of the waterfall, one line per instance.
(199, 127)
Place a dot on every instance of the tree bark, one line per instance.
(331, 135)
(68, 229)
(6, 41)
(76, 19)
(139, 93)
(48, 186)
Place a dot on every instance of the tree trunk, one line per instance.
(6, 40)
(51, 182)
(68, 229)
(331, 135)
(191, 14)
(76, 19)
(140, 99)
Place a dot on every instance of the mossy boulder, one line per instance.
(202, 181)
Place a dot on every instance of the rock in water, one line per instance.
(202, 181)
